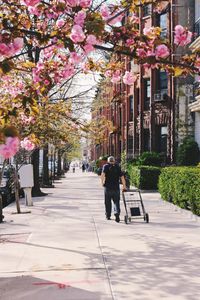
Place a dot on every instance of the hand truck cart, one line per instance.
(134, 206)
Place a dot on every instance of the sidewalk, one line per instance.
(65, 249)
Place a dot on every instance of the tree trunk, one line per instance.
(59, 167)
(36, 192)
(45, 175)
(1, 209)
(1, 200)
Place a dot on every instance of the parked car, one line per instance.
(7, 188)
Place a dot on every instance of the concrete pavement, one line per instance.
(65, 249)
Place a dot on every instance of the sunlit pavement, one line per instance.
(65, 249)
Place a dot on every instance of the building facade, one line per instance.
(153, 114)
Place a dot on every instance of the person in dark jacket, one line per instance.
(110, 178)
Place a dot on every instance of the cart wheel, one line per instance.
(129, 219)
(126, 219)
(146, 218)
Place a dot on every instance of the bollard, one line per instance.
(28, 197)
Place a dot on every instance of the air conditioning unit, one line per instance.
(161, 96)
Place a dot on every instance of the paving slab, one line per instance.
(65, 248)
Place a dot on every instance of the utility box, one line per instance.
(26, 176)
(26, 182)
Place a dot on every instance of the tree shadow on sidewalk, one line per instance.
(170, 270)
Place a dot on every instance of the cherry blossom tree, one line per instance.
(44, 42)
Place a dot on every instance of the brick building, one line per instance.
(195, 106)
(153, 114)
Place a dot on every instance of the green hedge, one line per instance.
(181, 185)
(144, 177)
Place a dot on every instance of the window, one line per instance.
(130, 108)
(162, 80)
(147, 10)
(147, 93)
(161, 139)
(163, 25)
(146, 140)
(130, 145)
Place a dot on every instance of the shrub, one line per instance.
(149, 159)
(181, 185)
(188, 153)
(144, 177)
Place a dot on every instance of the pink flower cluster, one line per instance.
(10, 148)
(107, 15)
(182, 36)
(31, 2)
(79, 18)
(82, 3)
(129, 78)
(77, 35)
(162, 51)
(27, 144)
(116, 76)
(11, 48)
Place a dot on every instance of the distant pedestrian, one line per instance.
(110, 178)
(83, 167)
(73, 169)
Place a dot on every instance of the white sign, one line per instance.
(26, 176)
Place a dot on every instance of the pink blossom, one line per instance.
(80, 18)
(68, 71)
(150, 53)
(31, 2)
(129, 42)
(162, 51)
(150, 32)
(18, 44)
(85, 3)
(141, 53)
(106, 15)
(129, 78)
(10, 148)
(60, 23)
(105, 12)
(88, 48)
(4, 49)
(73, 3)
(27, 144)
(34, 10)
(179, 29)
(91, 39)
(116, 77)
(12, 48)
(77, 35)
(182, 36)
(108, 73)
(46, 82)
(74, 58)
(147, 31)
